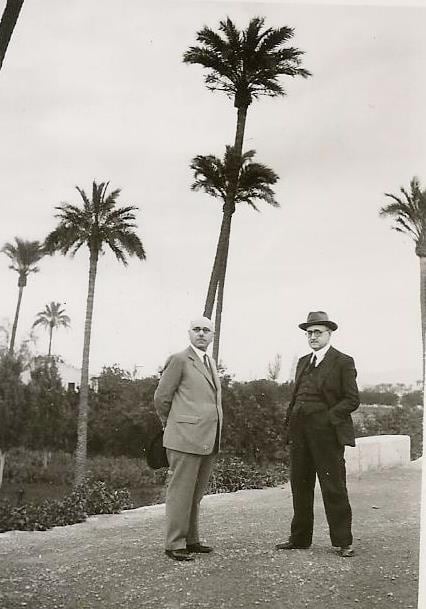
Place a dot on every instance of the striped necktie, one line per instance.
(207, 364)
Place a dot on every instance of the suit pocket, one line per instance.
(187, 418)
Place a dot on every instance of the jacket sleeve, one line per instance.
(167, 386)
(349, 400)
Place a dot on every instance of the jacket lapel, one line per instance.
(326, 365)
(304, 361)
(201, 367)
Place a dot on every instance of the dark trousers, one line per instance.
(314, 451)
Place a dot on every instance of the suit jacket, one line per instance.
(337, 385)
(188, 402)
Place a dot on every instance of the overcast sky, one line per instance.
(103, 94)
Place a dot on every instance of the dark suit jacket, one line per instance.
(338, 388)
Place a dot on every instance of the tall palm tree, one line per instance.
(53, 316)
(99, 224)
(7, 25)
(409, 212)
(24, 256)
(214, 176)
(245, 65)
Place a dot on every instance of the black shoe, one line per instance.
(180, 554)
(198, 548)
(346, 552)
(290, 545)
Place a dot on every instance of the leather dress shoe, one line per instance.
(346, 552)
(179, 554)
(290, 545)
(198, 548)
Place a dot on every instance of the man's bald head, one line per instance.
(201, 332)
(201, 322)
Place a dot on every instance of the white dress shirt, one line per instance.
(320, 354)
(200, 353)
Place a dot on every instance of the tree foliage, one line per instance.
(404, 421)
(254, 414)
(24, 256)
(53, 316)
(213, 175)
(371, 396)
(246, 64)
(99, 225)
(409, 213)
(122, 418)
(412, 399)
(12, 402)
(50, 409)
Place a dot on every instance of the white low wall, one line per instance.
(377, 452)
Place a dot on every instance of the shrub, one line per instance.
(120, 472)
(254, 412)
(405, 421)
(98, 498)
(26, 467)
(371, 396)
(232, 474)
(412, 398)
(91, 498)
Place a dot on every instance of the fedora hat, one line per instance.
(318, 318)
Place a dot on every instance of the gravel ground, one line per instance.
(118, 561)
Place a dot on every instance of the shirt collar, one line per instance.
(320, 354)
(199, 352)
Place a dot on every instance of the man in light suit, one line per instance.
(319, 425)
(188, 403)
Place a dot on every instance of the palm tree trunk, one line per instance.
(15, 321)
(239, 133)
(83, 407)
(50, 340)
(214, 276)
(423, 322)
(2, 463)
(220, 292)
(7, 25)
(423, 313)
(218, 317)
(229, 209)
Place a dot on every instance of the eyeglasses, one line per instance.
(197, 329)
(315, 333)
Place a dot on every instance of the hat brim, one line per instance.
(330, 324)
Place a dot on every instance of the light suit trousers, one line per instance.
(188, 482)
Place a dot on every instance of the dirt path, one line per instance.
(118, 561)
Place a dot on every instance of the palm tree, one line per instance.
(409, 213)
(98, 224)
(24, 256)
(245, 65)
(7, 25)
(53, 316)
(214, 177)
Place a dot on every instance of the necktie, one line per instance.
(207, 364)
(313, 363)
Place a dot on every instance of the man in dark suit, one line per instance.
(319, 425)
(188, 403)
